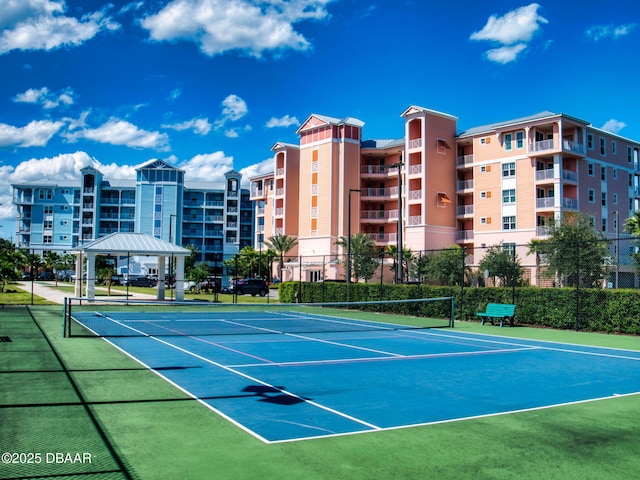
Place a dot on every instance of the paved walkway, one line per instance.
(47, 290)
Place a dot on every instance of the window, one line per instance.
(442, 146)
(604, 224)
(603, 146)
(615, 173)
(485, 194)
(630, 180)
(509, 196)
(519, 139)
(509, 169)
(629, 155)
(507, 141)
(590, 141)
(604, 199)
(509, 223)
(614, 147)
(48, 224)
(590, 169)
(603, 173)
(47, 239)
(592, 221)
(509, 247)
(615, 199)
(485, 168)
(592, 195)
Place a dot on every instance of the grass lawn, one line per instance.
(13, 295)
(156, 432)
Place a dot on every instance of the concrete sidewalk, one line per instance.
(47, 290)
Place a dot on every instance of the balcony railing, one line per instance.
(415, 194)
(570, 203)
(415, 143)
(541, 145)
(464, 210)
(464, 184)
(464, 235)
(542, 230)
(546, 202)
(415, 220)
(379, 192)
(415, 169)
(383, 237)
(572, 146)
(464, 160)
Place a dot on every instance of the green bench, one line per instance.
(503, 311)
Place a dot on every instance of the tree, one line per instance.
(446, 266)
(281, 243)
(10, 260)
(364, 255)
(407, 261)
(247, 262)
(504, 264)
(632, 225)
(198, 273)
(575, 253)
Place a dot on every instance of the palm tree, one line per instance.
(281, 243)
(364, 257)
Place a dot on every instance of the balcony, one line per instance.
(464, 160)
(415, 195)
(378, 216)
(415, 143)
(385, 238)
(414, 220)
(546, 202)
(415, 169)
(542, 231)
(570, 203)
(464, 185)
(464, 236)
(464, 210)
(379, 192)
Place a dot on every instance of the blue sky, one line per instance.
(211, 85)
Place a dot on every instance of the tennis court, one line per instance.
(284, 374)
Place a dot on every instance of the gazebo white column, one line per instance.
(91, 275)
(179, 282)
(161, 264)
(77, 287)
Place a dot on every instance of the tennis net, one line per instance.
(124, 318)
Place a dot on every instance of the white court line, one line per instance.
(253, 379)
(541, 344)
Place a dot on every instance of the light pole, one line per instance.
(399, 276)
(351, 190)
(617, 249)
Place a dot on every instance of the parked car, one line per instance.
(47, 276)
(140, 282)
(253, 286)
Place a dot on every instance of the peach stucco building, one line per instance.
(501, 183)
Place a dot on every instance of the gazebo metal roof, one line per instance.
(132, 244)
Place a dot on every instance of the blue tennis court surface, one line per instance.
(293, 386)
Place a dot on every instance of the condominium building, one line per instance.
(501, 183)
(58, 217)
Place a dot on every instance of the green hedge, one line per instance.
(596, 310)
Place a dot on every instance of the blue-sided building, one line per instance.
(61, 216)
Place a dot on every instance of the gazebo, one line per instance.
(130, 244)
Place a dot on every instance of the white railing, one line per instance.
(314, 167)
(572, 146)
(279, 172)
(279, 211)
(415, 220)
(542, 145)
(415, 194)
(545, 174)
(279, 192)
(464, 184)
(464, 160)
(415, 143)
(545, 202)
(464, 210)
(464, 235)
(542, 231)
(415, 169)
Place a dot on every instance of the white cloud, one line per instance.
(285, 121)
(263, 167)
(43, 97)
(613, 126)
(233, 109)
(175, 94)
(599, 32)
(219, 26)
(512, 31)
(36, 133)
(42, 25)
(505, 54)
(120, 132)
(201, 126)
(207, 167)
(59, 168)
